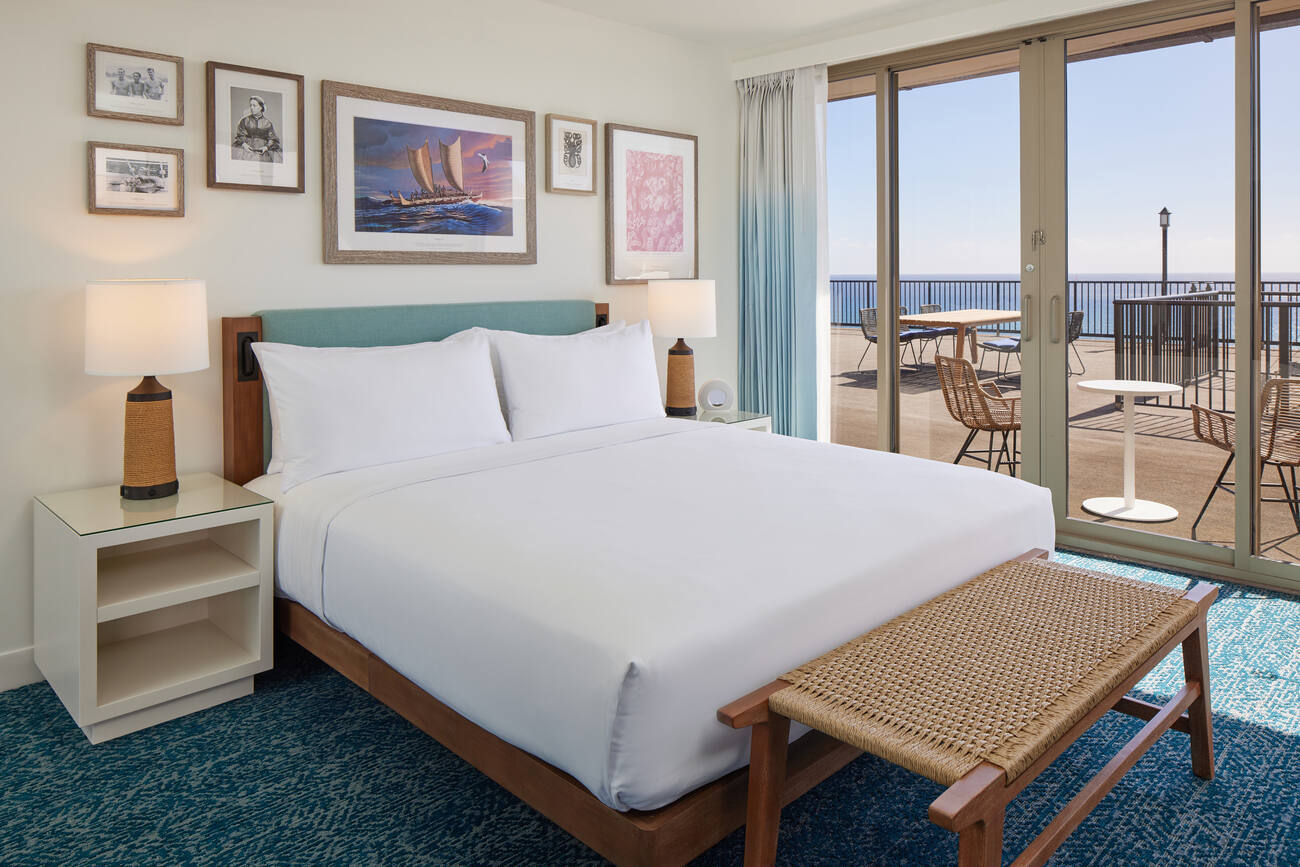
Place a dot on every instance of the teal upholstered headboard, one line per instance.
(364, 326)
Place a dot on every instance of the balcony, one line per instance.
(1173, 467)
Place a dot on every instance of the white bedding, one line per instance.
(594, 597)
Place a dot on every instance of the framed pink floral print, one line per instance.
(651, 205)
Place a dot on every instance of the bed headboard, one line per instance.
(246, 424)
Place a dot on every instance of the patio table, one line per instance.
(1129, 507)
(965, 321)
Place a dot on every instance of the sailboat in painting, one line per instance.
(431, 193)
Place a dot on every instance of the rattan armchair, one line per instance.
(982, 409)
(1279, 442)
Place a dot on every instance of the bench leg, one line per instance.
(1196, 669)
(768, 749)
(980, 844)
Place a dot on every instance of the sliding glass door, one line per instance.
(1111, 208)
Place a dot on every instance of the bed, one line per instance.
(567, 613)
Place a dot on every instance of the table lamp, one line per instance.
(147, 328)
(681, 309)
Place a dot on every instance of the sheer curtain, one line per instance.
(784, 284)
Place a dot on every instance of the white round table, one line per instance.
(1129, 507)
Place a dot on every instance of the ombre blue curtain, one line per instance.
(783, 257)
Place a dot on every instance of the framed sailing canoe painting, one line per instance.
(651, 205)
(424, 180)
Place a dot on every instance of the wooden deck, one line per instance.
(1173, 467)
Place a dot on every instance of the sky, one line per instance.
(381, 163)
(1146, 131)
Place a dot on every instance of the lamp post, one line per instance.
(1164, 251)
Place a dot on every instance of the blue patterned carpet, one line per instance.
(311, 770)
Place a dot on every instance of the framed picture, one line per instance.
(134, 85)
(254, 129)
(135, 179)
(421, 179)
(651, 205)
(570, 155)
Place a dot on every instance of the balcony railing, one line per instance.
(1096, 298)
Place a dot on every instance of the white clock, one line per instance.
(716, 394)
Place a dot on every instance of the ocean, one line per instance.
(462, 218)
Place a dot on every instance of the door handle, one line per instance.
(1057, 320)
(1027, 319)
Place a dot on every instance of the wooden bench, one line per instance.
(981, 688)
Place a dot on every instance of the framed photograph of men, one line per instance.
(127, 84)
(138, 180)
(254, 129)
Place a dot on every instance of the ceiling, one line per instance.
(743, 26)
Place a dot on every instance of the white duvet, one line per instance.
(594, 597)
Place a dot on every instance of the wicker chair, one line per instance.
(1279, 442)
(981, 409)
(867, 317)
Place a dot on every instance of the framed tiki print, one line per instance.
(570, 155)
(138, 180)
(127, 84)
(254, 129)
(651, 205)
(425, 180)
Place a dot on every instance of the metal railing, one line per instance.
(1094, 297)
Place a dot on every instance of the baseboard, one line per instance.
(18, 668)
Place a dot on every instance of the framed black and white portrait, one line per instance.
(254, 129)
(570, 155)
(136, 180)
(127, 84)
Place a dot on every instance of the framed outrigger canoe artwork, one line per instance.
(424, 180)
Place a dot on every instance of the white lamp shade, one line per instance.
(683, 308)
(146, 327)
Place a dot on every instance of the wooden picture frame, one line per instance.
(487, 218)
(263, 148)
(126, 182)
(148, 87)
(643, 241)
(561, 176)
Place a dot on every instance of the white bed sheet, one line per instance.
(594, 597)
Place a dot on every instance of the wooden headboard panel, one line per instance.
(244, 435)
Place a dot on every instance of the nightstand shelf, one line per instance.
(139, 581)
(150, 609)
(149, 663)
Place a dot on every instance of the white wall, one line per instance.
(62, 429)
(912, 25)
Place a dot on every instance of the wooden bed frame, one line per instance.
(674, 834)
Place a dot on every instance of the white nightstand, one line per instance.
(147, 610)
(737, 417)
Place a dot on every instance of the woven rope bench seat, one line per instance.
(995, 670)
(982, 688)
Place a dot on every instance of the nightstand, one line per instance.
(147, 610)
(737, 417)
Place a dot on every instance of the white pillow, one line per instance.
(491, 334)
(577, 381)
(339, 408)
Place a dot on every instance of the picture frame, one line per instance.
(399, 188)
(130, 84)
(255, 129)
(135, 180)
(570, 155)
(651, 205)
